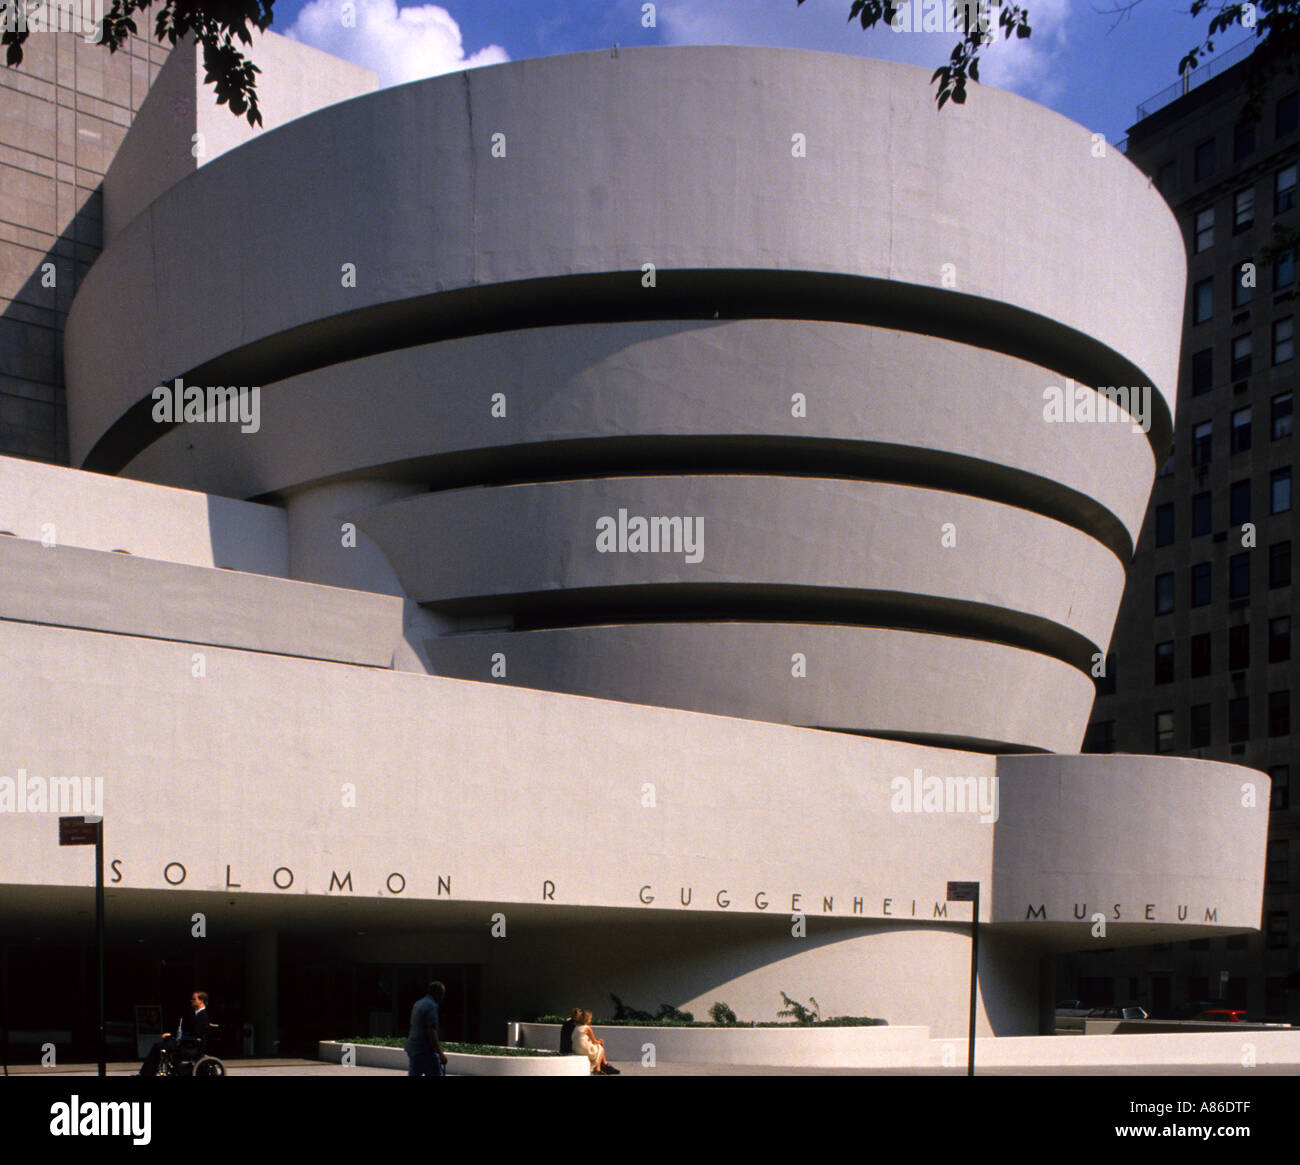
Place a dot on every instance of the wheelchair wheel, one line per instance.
(209, 1066)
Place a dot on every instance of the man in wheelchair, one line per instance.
(182, 1054)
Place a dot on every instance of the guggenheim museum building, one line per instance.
(640, 522)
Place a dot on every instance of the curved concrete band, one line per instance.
(798, 392)
(723, 160)
(807, 674)
(796, 533)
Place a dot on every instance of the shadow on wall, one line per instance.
(33, 406)
(902, 974)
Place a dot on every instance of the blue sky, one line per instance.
(1083, 60)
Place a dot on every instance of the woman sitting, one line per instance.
(586, 1043)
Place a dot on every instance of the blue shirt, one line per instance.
(424, 1015)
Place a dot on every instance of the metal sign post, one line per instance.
(970, 892)
(90, 831)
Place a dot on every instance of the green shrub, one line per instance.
(670, 1014)
(625, 1014)
(722, 1015)
(461, 1048)
(803, 1016)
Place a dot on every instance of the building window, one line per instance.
(1201, 585)
(1168, 176)
(1284, 115)
(1165, 524)
(1243, 210)
(1165, 663)
(1284, 189)
(1283, 339)
(1280, 776)
(1239, 503)
(1164, 732)
(1164, 593)
(1239, 575)
(1279, 491)
(1203, 160)
(1203, 300)
(1274, 996)
(1101, 737)
(1243, 287)
(1200, 726)
(1243, 141)
(1279, 415)
(1204, 238)
(1202, 371)
(1279, 564)
(1168, 467)
(1243, 352)
(1201, 511)
(1279, 713)
(1238, 719)
(1284, 270)
(1200, 654)
(1239, 647)
(1278, 861)
(1241, 430)
(1202, 443)
(1278, 929)
(1279, 639)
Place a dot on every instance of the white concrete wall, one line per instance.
(180, 126)
(297, 780)
(699, 175)
(66, 507)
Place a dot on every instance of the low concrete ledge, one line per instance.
(459, 1063)
(787, 1047)
(1212, 1049)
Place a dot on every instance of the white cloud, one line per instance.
(1031, 67)
(400, 44)
(1028, 66)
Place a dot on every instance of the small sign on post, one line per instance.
(79, 830)
(90, 831)
(970, 892)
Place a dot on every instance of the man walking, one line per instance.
(423, 1051)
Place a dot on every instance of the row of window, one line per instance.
(1282, 332)
(1205, 153)
(1201, 577)
(1201, 654)
(1201, 650)
(1240, 433)
(1199, 722)
(1243, 209)
(1240, 506)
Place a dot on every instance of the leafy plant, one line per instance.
(669, 1014)
(722, 1015)
(627, 1014)
(798, 1012)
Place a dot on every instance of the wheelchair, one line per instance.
(188, 1062)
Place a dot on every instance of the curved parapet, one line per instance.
(748, 179)
(723, 825)
(714, 297)
(925, 687)
(1143, 842)
(780, 396)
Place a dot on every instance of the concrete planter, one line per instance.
(459, 1063)
(792, 1047)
